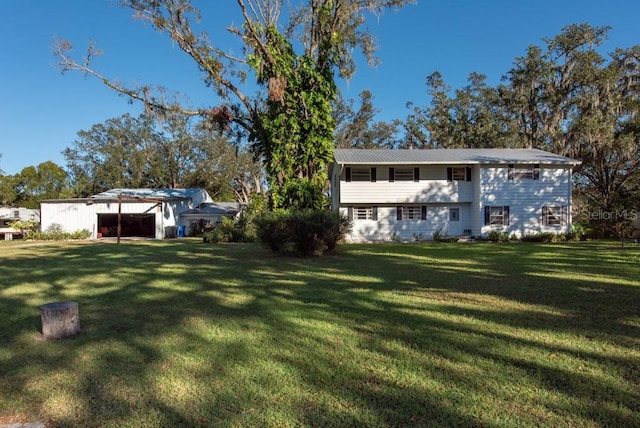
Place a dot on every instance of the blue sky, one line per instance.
(42, 110)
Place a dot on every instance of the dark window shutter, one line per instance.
(416, 174)
(536, 172)
(398, 212)
(392, 175)
(468, 174)
(373, 175)
(350, 213)
(487, 216)
(449, 174)
(511, 166)
(545, 219)
(348, 173)
(374, 213)
(423, 215)
(505, 216)
(565, 216)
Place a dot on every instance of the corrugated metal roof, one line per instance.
(163, 194)
(449, 156)
(213, 208)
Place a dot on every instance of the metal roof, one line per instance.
(161, 194)
(449, 156)
(213, 208)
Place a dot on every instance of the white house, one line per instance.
(411, 194)
(150, 213)
(11, 214)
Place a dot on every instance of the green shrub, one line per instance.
(579, 231)
(547, 237)
(197, 227)
(438, 235)
(223, 231)
(27, 227)
(241, 229)
(55, 232)
(304, 233)
(496, 236)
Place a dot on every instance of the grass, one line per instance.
(177, 333)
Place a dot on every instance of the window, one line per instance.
(459, 174)
(496, 216)
(554, 216)
(16, 214)
(358, 174)
(454, 214)
(363, 213)
(524, 172)
(404, 174)
(412, 212)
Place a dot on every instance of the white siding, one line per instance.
(476, 218)
(81, 215)
(75, 216)
(525, 198)
(432, 187)
(489, 186)
(388, 228)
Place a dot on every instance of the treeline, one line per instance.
(138, 152)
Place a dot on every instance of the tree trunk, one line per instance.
(60, 319)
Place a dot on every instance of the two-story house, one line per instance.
(409, 194)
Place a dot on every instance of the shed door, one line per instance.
(138, 225)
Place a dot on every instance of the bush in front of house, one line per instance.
(27, 227)
(226, 230)
(55, 232)
(197, 227)
(302, 233)
(497, 236)
(241, 229)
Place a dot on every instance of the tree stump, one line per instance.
(60, 319)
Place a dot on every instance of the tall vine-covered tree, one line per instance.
(292, 125)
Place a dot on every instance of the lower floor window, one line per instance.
(363, 213)
(496, 216)
(412, 212)
(554, 215)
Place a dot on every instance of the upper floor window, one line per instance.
(554, 216)
(360, 174)
(524, 172)
(496, 216)
(404, 174)
(459, 174)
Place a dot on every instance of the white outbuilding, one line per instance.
(147, 213)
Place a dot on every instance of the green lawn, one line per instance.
(179, 333)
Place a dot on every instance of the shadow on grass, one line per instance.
(179, 333)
